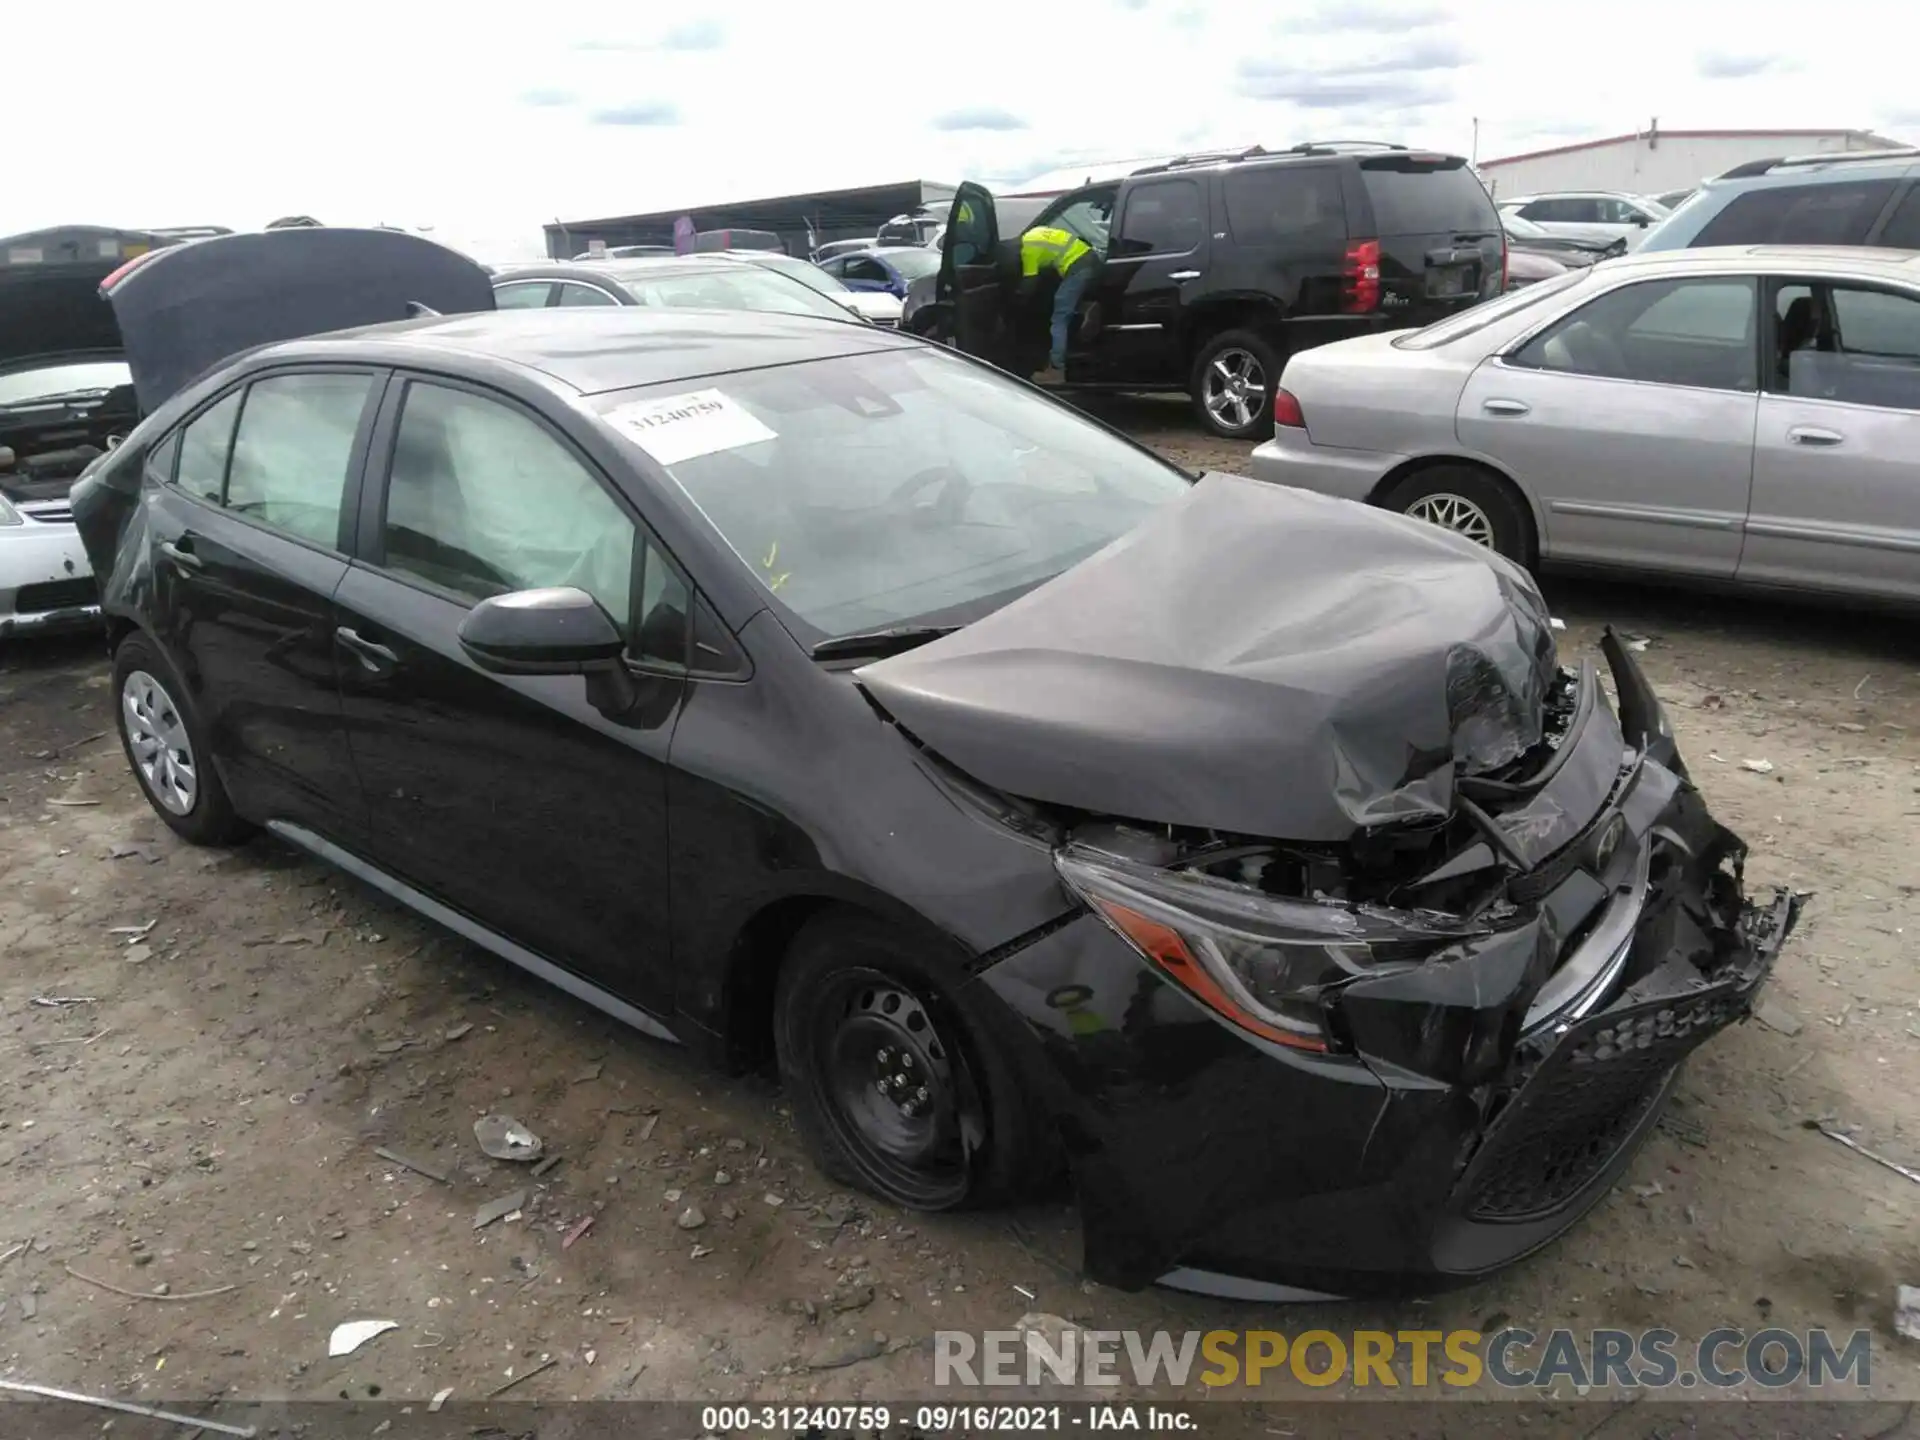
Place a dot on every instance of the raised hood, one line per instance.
(185, 309)
(1254, 659)
(50, 303)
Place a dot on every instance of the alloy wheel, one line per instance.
(1235, 388)
(157, 737)
(1455, 513)
(896, 1090)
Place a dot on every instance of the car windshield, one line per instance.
(807, 274)
(1520, 227)
(1468, 322)
(63, 379)
(902, 485)
(738, 287)
(912, 261)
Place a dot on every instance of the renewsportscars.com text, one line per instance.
(1511, 1358)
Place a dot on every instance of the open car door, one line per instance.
(970, 291)
(186, 308)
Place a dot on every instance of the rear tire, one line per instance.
(166, 747)
(1470, 502)
(897, 1086)
(1232, 383)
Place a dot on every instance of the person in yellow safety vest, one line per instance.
(1046, 247)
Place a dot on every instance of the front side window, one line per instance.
(866, 269)
(1664, 332)
(1838, 214)
(1166, 217)
(897, 486)
(205, 445)
(292, 450)
(1847, 343)
(483, 500)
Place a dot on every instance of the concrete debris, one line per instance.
(1775, 1018)
(505, 1138)
(499, 1209)
(351, 1336)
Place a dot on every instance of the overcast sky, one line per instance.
(486, 120)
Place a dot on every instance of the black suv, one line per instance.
(1218, 267)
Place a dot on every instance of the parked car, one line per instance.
(1528, 267)
(921, 228)
(738, 238)
(1746, 416)
(626, 252)
(1674, 199)
(835, 702)
(889, 271)
(828, 249)
(1525, 237)
(1595, 215)
(1865, 197)
(66, 395)
(874, 306)
(707, 282)
(1220, 267)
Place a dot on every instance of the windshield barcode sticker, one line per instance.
(683, 427)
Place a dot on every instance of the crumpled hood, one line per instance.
(1253, 659)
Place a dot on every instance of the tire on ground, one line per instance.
(1506, 511)
(1265, 353)
(211, 819)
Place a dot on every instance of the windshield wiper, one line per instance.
(877, 644)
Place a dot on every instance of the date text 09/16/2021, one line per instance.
(940, 1419)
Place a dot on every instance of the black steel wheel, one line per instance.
(896, 1088)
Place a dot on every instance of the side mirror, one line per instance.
(1641, 221)
(560, 631)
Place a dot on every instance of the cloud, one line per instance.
(978, 117)
(609, 47)
(1131, 4)
(547, 99)
(1728, 65)
(1370, 17)
(1409, 78)
(695, 35)
(656, 112)
(1189, 18)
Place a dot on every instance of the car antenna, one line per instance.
(416, 310)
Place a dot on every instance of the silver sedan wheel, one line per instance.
(1235, 388)
(1455, 513)
(157, 736)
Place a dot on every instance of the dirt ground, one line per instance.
(238, 1032)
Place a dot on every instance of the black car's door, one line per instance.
(510, 798)
(1159, 253)
(248, 528)
(971, 284)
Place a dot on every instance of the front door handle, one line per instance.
(182, 556)
(1814, 435)
(1184, 275)
(1505, 407)
(375, 659)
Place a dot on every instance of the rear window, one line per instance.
(1467, 322)
(1839, 214)
(1415, 198)
(1284, 205)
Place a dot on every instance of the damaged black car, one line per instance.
(824, 699)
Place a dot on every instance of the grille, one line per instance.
(55, 595)
(1588, 1097)
(55, 514)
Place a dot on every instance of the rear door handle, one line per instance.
(182, 556)
(1505, 407)
(375, 659)
(1184, 275)
(1814, 435)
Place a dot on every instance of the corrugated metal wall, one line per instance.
(1651, 166)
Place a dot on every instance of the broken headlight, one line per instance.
(1262, 962)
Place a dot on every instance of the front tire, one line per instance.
(1232, 384)
(166, 746)
(897, 1089)
(1471, 503)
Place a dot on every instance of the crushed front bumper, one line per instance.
(1489, 1099)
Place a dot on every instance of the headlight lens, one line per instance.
(1264, 963)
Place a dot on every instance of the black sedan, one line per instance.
(815, 696)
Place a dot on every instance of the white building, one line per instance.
(1656, 161)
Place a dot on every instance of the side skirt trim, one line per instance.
(470, 929)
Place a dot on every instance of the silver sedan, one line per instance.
(1745, 415)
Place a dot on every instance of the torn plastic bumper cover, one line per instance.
(1398, 1098)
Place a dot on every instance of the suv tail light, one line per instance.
(1360, 280)
(1286, 410)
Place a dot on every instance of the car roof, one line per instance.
(1575, 195)
(630, 267)
(594, 349)
(1860, 260)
